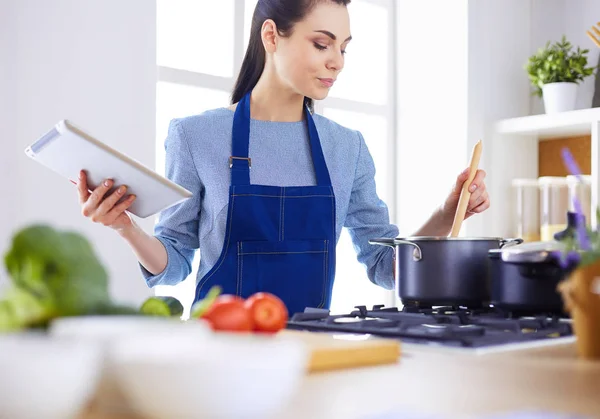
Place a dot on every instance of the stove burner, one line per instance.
(346, 320)
(452, 330)
(448, 326)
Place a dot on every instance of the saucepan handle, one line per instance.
(417, 253)
(383, 242)
(509, 242)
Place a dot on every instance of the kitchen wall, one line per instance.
(550, 19)
(8, 97)
(93, 63)
(579, 17)
(498, 44)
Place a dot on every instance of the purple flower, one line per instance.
(571, 164)
(567, 260)
(584, 240)
(573, 167)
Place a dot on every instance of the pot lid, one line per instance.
(448, 238)
(533, 252)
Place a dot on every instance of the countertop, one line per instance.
(451, 385)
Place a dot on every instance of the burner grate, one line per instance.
(448, 326)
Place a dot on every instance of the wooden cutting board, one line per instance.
(339, 351)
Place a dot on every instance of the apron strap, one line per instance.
(318, 159)
(240, 163)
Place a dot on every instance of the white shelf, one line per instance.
(564, 124)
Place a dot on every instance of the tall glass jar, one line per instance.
(554, 199)
(527, 209)
(583, 192)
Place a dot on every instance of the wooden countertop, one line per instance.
(452, 385)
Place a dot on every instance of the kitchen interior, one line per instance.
(497, 323)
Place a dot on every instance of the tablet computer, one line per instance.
(67, 149)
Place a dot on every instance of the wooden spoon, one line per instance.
(595, 39)
(465, 195)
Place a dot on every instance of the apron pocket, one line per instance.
(294, 270)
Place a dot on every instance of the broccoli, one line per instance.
(21, 308)
(54, 274)
(59, 268)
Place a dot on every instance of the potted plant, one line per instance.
(555, 72)
(581, 289)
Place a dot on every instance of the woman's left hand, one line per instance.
(479, 201)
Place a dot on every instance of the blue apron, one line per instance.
(278, 239)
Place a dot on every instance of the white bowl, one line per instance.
(48, 378)
(226, 376)
(105, 331)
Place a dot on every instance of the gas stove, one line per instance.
(480, 330)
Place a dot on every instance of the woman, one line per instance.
(272, 191)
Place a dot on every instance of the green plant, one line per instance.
(558, 62)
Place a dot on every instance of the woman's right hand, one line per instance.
(102, 209)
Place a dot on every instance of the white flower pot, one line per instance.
(559, 97)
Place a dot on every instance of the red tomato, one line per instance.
(268, 312)
(228, 313)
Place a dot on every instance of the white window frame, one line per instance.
(226, 84)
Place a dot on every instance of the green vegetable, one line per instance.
(26, 309)
(58, 268)
(162, 306)
(112, 309)
(57, 274)
(54, 274)
(200, 307)
(8, 317)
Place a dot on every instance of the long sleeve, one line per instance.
(368, 218)
(177, 227)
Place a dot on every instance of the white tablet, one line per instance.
(66, 150)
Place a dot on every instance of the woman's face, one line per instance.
(311, 58)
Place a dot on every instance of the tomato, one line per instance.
(268, 312)
(228, 312)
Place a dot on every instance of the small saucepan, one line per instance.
(525, 277)
(443, 270)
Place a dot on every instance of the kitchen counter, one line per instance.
(451, 385)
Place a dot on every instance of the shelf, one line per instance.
(564, 124)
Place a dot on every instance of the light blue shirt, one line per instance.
(197, 157)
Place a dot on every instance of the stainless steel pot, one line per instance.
(443, 270)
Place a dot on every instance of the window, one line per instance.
(432, 115)
(363, 99)
(195, 75)
(185, 30)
